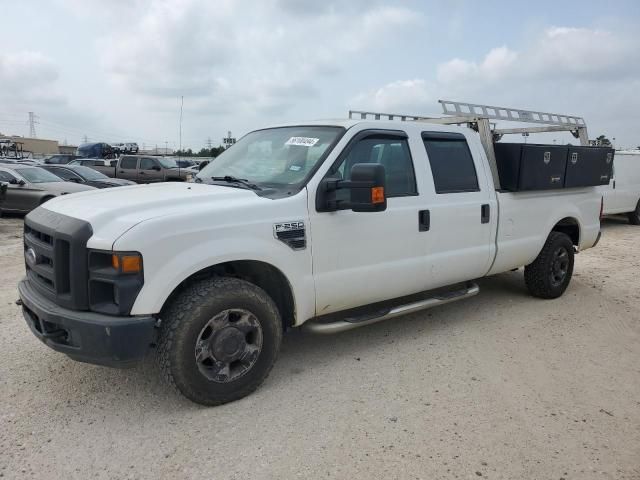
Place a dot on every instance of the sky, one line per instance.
(115, 70)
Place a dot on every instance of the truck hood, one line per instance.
(113, 211)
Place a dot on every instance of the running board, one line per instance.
(349, 323)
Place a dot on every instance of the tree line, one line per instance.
(204, 152)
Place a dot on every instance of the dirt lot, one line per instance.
(498, 386)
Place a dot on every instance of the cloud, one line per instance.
(28, 77)
(403, 96)
(588, 72)
(227, 55)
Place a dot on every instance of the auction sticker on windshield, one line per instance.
(302, 141)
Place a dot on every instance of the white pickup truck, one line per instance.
(333, 225)
(622, 195)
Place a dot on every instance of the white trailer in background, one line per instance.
(622, 195)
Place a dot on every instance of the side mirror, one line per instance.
(156, 168)
(13, 181)
(367, 190)
(22, 183)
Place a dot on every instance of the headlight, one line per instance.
(115, 279)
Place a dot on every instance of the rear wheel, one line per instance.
(634, 217)
(219, 339)
(550, 273)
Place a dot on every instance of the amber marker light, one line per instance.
(377, 195)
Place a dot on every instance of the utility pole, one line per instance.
(85, 138)
(209, 143)
(181, 105)
(228, 140)
(33, 119)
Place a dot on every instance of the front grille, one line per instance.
(56, 257)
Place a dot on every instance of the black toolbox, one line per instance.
(589, 166)
(524, 166)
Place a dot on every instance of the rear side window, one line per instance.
(128, 163)
(451, 162)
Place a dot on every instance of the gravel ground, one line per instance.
(498, 386)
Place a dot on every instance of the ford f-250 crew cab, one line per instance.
(332, 225)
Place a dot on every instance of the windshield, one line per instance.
(38, 175)
(167, 162)
(89, 173)
(275, 157)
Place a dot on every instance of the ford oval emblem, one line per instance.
(30, 256)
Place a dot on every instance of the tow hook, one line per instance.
(19, 302)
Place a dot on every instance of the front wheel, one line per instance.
(634, 217)
(550, 273)
(219, 339)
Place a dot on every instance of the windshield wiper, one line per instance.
(241, 181)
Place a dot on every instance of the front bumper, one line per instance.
(87, 336)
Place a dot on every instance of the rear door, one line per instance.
(127, 168)
(462, 208)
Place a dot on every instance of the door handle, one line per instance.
(485, 213)
(424, 220)
(141, 173)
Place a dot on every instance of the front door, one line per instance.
(365, 257)
(150, 171)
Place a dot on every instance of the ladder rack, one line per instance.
(477, 117)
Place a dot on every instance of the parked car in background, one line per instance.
(622, 195)
(19, 161)
(30, 186)
(184, 163)
(95, 150)
(94, 162)
(3, 191)
(60, 159)
(86, 176)
(144, 169)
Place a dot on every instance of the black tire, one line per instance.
(634, 217)
(550, 273)
(237, 315)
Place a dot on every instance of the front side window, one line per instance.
(147, 164)
(279, 158)
(128, 163)
(451, 162)
(167, 162)
(388, 150)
